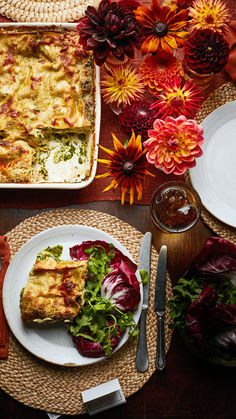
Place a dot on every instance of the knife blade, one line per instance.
(159, 307)
(142, 359)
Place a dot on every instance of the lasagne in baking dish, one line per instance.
(47, 106)
(54, 291)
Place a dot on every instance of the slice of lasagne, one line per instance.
(54, 291)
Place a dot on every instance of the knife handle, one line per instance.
(142, 351)
(161, 357)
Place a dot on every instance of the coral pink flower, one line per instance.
(174, 144)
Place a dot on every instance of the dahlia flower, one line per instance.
(174, 144)
(110, 28)
(162, 27)
(158, 69)
(206, 52)
(127, 165)
(138, 116)
(175, 100)
(122, 86)
(129, 5)
(209, 14)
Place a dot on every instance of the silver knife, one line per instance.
(142, 359)
(159, 307)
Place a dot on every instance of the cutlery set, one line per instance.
(142, 359)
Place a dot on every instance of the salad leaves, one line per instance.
(204, 302)
(108, 310)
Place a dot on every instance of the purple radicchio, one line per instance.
(119, 289)
(206, 317)
(218, 256)
(91, 349)
(121, 262)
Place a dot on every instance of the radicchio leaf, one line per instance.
(77, 252)
(206, 315)
(92, 349)
(120, 288)
(218, 256)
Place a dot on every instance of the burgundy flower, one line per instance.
(129, 5)
(110, 28)
(206, 52)
(139, 117)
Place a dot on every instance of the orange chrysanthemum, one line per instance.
(209, 14)
(176, 100)
(127, 165)
(162, 27)
(158, 69)
(121, 86)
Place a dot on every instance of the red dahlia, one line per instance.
(206, 52)
(110, 28)
(129, 4)
(139, 117)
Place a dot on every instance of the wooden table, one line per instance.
(189, 387)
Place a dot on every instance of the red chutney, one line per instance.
(175, 209)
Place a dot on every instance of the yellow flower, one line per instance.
(122, 86)
(209, 14)
(127, 165)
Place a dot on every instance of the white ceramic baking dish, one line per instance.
(96, 134)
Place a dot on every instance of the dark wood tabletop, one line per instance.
(188, 387)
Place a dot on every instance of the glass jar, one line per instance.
(175, 207)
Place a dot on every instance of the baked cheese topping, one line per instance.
(54, 291)
(46, 95)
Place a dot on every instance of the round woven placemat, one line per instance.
(45, 10)
(44, 386)
(224, 94)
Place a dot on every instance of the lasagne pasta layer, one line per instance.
(54, 291)
(46, 89)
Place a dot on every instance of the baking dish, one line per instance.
(93, 135)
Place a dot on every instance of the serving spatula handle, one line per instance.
(161, 357)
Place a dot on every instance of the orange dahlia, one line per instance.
(176, 100)
(158, 69)
(162, 27)
(121, 86)
(209, 14)
(127, 165)
(174, 144)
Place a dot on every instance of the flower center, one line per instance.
(172, 144)
(160, 29)
(142, 112)
(209, 19)
(176, 101)
(128, 168)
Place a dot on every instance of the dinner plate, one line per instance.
(51, 342)
(214, 176)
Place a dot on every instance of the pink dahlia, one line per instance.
(174, 144)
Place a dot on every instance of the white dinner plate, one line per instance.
(51, 342)
(214, 176)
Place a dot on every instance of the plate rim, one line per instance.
(5, 297)
(192, 170)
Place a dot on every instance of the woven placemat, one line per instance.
(224, 94)
(45, 10)
(58, 389)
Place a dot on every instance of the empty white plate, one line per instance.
(214, 176)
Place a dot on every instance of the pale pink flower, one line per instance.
(174, 144)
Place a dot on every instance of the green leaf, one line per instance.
(144, 276)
